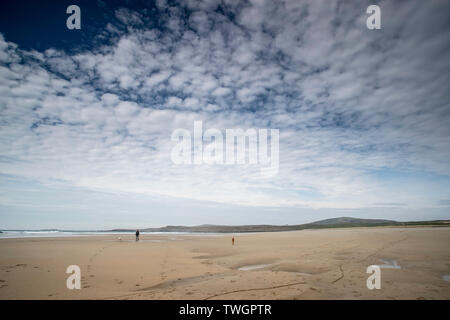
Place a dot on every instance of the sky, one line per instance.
(86, 116)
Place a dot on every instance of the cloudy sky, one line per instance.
(86, 115)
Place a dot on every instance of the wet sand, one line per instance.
(308, 264)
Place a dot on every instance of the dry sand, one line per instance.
(309, 264)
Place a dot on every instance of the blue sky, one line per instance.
(86, 115)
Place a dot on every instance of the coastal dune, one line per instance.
(307, 264)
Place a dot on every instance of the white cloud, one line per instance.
(157, 78)
(221, 92)
(363, 117)
(110, 99)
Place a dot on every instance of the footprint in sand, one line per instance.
(8, 268)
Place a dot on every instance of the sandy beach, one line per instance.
(308, 264)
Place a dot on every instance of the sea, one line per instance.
(8, 234)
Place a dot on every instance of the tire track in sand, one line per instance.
(388, 245)
(255, 289)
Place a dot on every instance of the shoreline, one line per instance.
(16, 234)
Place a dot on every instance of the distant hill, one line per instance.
(351, 221)
(341, 222)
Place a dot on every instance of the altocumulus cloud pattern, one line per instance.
(364, 115)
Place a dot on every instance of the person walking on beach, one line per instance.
(137, 235)
(232, 241)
